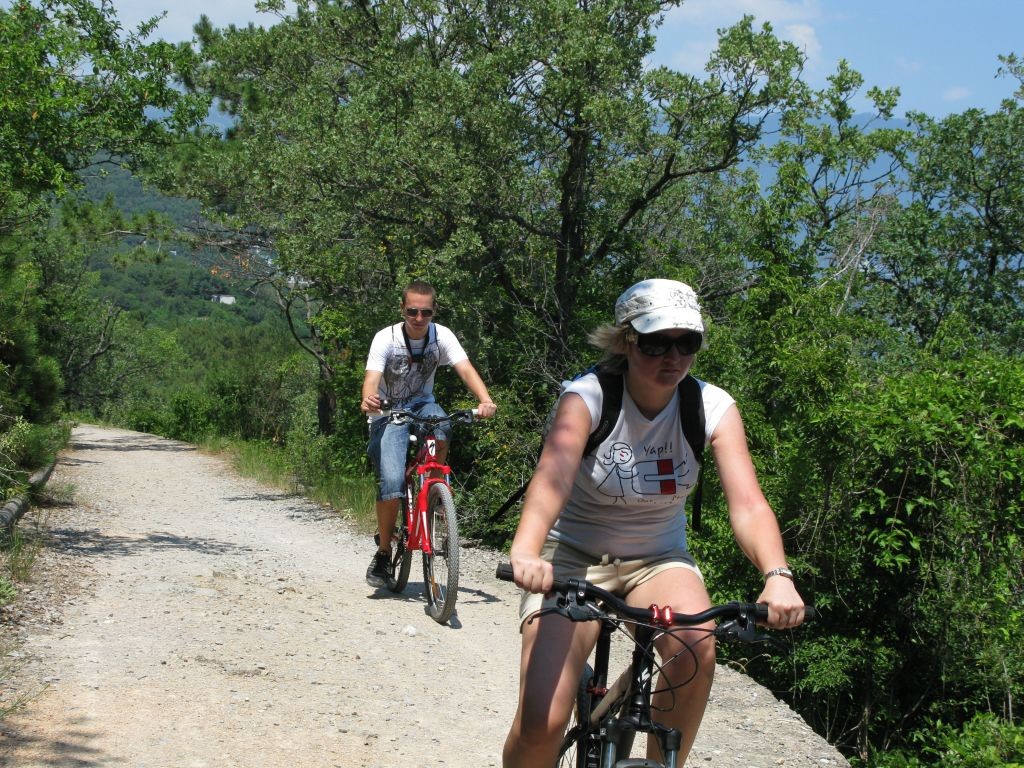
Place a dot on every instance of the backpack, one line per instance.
(691, 414)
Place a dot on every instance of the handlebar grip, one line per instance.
(504, 572)
(810, 612)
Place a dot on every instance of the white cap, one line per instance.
(659, 305)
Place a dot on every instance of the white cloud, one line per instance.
(723, 13)
(956, 93)
(689, 33)
(805, 37)
(908, 65)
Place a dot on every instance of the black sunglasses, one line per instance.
(412, 312)
(656, 344)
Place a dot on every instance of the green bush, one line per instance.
(983, 742)
(26, 447)
(194, 415)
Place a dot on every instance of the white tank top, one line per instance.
(628, 496)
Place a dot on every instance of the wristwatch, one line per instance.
(781, 571)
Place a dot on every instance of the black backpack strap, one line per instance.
(509, 502)
(691, 413)
(611, 405)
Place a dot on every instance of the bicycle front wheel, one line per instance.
(579, 739)
(401, 560)
(441, 566)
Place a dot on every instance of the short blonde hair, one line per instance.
(613, 341)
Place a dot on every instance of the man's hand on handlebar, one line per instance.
(370, 404)
(486, 409)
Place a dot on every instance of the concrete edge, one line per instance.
(14, 509)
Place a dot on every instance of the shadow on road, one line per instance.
(79, 541)
(132, 443)
(71, 749)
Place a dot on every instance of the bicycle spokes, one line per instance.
(441, 555)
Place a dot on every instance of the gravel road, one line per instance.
(182, 616)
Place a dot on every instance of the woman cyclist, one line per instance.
(616, 517)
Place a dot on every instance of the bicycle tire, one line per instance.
(441, 567)
(401, 560)
(573, 752)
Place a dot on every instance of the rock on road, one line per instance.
(180, 615)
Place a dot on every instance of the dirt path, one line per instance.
(183, 616)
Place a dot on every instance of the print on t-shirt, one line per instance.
(404, 379)
(653, 477)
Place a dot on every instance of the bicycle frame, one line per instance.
(630, 694)
(428, 521)
(426, 466)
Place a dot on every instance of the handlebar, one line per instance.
(401, 416)
(581, 597)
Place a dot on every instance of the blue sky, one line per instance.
(942, 54)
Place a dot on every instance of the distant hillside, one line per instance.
(131, 196)
(177, 283)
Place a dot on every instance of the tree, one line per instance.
(507, 152)
(958, 246)
(73, 83)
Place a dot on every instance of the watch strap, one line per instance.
(781, 571)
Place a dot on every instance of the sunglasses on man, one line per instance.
(414, 312)
(658, 344)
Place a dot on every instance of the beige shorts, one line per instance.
(615, 575)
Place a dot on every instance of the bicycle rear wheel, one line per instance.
(441, 567)
(401, 560)
(579, 740)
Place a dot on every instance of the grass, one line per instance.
(9, 702)
(16, 559)
(351, 497)
(17, 556)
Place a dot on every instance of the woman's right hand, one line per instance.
(532, 573)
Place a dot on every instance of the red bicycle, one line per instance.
(427, 521)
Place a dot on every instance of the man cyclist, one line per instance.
(400, 367)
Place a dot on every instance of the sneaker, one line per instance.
(379, 571)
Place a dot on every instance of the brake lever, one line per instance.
(747, 632)
(575, 608)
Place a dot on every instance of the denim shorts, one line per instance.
(616, 575)
(389, 447)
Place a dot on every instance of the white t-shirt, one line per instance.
(408, 371)
(628, 496)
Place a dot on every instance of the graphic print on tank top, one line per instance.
(405, 380)
(647, 479)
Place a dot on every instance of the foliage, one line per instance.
(75, 82)
(24, 448)
(925, 463)
(983, 742)
(72, 82)
(957, 246)
(524, 159)
(513, 149)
